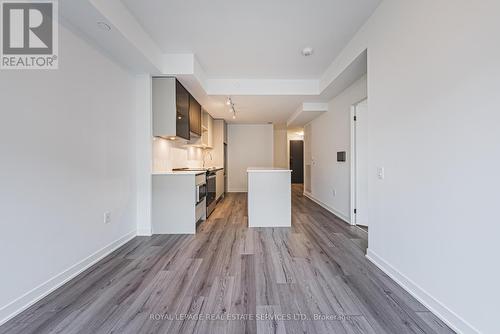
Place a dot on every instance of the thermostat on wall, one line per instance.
(341, 156)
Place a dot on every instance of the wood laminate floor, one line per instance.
(311, 278)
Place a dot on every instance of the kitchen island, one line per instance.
(269, 197)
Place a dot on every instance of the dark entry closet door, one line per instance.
(297, 160)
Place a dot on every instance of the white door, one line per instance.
(361, 163)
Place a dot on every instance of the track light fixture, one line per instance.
(230, 103)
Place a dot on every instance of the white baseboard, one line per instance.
(327, 207)
(237, 190)
(454, 321)
(144, 232)
(31, 297)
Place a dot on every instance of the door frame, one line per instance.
(352, 155)
(353, 162)
(303, 157)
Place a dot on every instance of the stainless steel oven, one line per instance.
(201, 192)
(211, 202)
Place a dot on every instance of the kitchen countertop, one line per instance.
(266, 169)
(187, 172)
(184, 172)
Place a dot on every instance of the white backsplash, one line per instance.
(169, 154)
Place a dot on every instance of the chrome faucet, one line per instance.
(205, 155)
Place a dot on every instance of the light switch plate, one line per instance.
(107, 217)
(380, 173)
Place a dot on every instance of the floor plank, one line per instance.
(435, 323)
(310, 278)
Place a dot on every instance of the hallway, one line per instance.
(313, 278)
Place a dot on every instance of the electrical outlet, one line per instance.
(107, 217)
(381, 173)
(334, 192)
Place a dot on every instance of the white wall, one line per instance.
(249, 145)
(282, 137)
(67, 156)
(433, 88)
(330, 134)
(143, 152)
(295, 134)
(280, 147)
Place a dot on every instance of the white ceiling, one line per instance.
(249, 50)
(280, 109)
(255, 109)
(254, 39)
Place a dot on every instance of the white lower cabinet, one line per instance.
(173, 207)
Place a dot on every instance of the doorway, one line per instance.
(359, 165)
(297, 160)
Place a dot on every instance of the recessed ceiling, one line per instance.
(278, 108)
(254, 39)
(255, 109)
(240, 45)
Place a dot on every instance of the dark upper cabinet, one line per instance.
(182, 98)
(176, 114)
(194, 116)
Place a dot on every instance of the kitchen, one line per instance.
(190, 165)
(188, 158)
